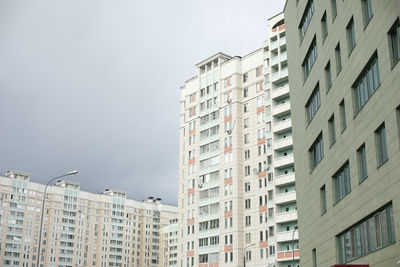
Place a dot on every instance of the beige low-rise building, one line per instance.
(79, 228)
(345, 79)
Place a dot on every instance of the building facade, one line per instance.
(281, 176)
(170, 243)
(237, 204)
(344, 79)
(79, 228)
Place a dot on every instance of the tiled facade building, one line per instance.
(345, 86)
(79, 228)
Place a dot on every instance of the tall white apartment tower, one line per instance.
(282, 208)
(237, 204)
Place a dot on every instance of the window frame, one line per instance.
(314, 160)
(382, 154)
(394, 33)
(362, 95)
(367, 12)
(362, 163)
(313, 104)
(340, 182)
(351, 36)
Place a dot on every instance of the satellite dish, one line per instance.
(255, 171)
(229, 101)
(200, 185)
(229, 131)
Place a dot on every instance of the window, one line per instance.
(316, 152)
(247, 154)
(398, 121)
(246, 123)
(394, 40)
(245, 107)
(246, 92)
(305, 20)
(246, 138)
(310, 58)
(245, 77)
(341, 182)
(313, 104)
(342, 111)
(351, 37)
(322, 195)
(246, 170)
(381, 145)
(258, 71)
(248, 220)
(367, 11)
(332, 130)
(328, 76)
(370, 234)
(324, 27)
(367, 83)
(314, 257)
(248, 238)
(334, 9)
(338, 59)
(247, 187)
(247, 204)
(362, 163)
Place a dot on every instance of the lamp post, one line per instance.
(294, 230)
(244, 255)
(41, 217)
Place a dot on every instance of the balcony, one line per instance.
(274, 61)
(278, 77)
(287, 236)
(281, 109)
(282, 41)
(282, 126)
(280, 92)
(273, 45)
(284, 72)
(287, 255)
(283, 57)
(284, 179)
(285, 161)
(285, 197)
(283, 143)
(286, 217)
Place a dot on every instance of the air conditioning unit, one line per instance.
(229, 101)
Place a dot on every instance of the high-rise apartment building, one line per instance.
(237, 203)
(170, 243)
(281, 177)
(79, 228)
(344, 79)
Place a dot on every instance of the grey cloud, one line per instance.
(94, 85)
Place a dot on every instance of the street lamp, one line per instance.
(294, 230)
(244, 255)
(41, 218)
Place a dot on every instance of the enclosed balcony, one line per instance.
(283, 143)
(281, 109)
(285, 161)
(280, 92)
(282, 126)
(285, 198)
(287, 236)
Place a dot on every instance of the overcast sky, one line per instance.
(94, 85)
